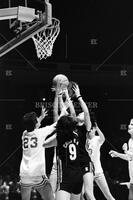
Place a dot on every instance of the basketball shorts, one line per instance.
(87, 167)
(72, 181)
(33, 182)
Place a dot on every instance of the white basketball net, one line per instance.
(44, 40)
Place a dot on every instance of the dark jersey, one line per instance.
(70, 175)
(83, 155)
(68, 153)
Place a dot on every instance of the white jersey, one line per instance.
(93, 148)
(130, 165)
(33, 158)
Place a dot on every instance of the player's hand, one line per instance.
(44, 112)
(113, 153)
(124, 147)
(76, 90)
(58, 91)
(57, 88)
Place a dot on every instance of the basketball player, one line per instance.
(127, 155)
(57, 107)
(67, 144)
(53, 174)
(83, 126)
(93, 145)
(32, 167)
(85, 163)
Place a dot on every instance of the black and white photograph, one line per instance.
(66, 100)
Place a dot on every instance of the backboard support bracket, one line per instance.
(28, 23)
(22, 37)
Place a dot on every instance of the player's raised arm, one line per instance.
(69, 104)
(43, 114)
(55, 106)
(84, 107)
(100, 133)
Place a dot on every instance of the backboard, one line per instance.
(27, 22)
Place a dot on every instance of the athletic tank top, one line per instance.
(68, 153)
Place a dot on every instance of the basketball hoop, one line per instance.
(44, 40)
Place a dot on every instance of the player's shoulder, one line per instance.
(25, 133)
(40, 130)
(28, 134)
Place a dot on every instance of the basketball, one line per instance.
(61, 81)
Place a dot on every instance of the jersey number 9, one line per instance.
(72, 151)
